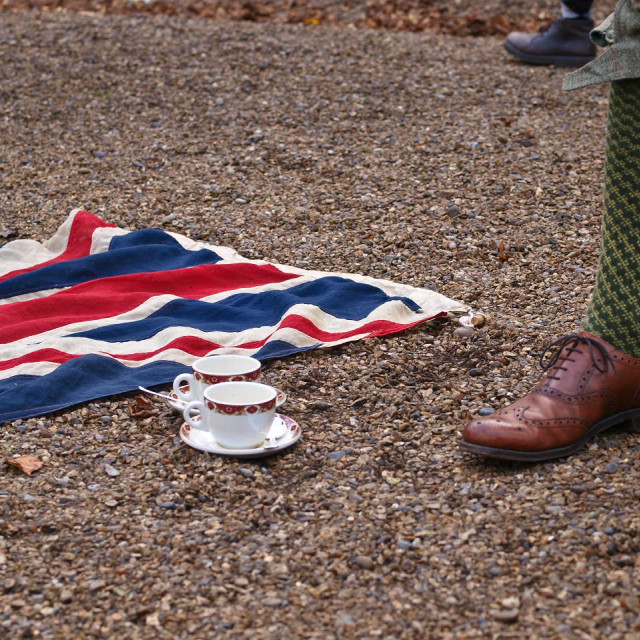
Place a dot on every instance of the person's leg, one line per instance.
(574, 9)
(593, 379)
(614, 311)
(565, 44)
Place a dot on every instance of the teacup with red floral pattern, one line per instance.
(215, 369)
(237, 414)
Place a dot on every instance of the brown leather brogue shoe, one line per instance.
(588, 387)
(565, 44)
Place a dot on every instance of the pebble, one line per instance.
(505, 615)
(112, 472)
(365, 562)
(463, 332)
(453, 211)
(486, 411)
(336, 455)
(247, 472)
(612, 467)
(66, 596)
(96, 585)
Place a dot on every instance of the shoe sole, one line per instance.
(632, 415)
(556, 61)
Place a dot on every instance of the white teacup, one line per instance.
(214, 370)
(237, 414)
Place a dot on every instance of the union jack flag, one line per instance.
(98, 310)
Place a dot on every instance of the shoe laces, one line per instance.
(567, 346)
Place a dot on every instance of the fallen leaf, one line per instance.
(501, 254)
(142, 407)
(26, 464)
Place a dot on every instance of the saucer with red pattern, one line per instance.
(284, 432)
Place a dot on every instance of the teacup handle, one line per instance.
(184, 377)
(196, 422)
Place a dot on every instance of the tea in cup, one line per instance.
(237, 414)
(214, 370)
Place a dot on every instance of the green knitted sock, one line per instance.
(614, 310)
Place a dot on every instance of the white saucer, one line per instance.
(204, 441)
(178, 405)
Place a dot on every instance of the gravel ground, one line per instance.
(453, 17)
(411, 157)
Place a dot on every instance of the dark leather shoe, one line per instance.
(565, 44)
(589, 386)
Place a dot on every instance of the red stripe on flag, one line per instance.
(110, 297)
(78, 243)
(42, 355)
(199, 347)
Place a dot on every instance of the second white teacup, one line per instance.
(214, 370)
(237, 414)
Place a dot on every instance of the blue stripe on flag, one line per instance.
(92, 376)
(79, 380)
(280, 349)
(150, 250)
(340, 297)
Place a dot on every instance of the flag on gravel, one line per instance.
(98, 310)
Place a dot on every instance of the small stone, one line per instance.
(453, 211)
(336, 455)
(511, 602)
(168, 505)
(478, 320)
(365, 562)
(110, 502)
(505, 615)
(612, 467)
(486, 411)
(463, 332)
(111, 471)
(272, 602)
(100, 154)
(246, 472)
(475, 372)
(66, 596)
(96, 585)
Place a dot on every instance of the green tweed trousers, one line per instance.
(614, 309)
